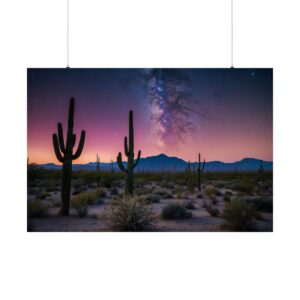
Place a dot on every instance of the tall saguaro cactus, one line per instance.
(189, 178)
(200, 170)
(64, 154)
(97, 163)
(98, 169)
(129, 152)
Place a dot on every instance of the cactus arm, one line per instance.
(138, 159)
(61, 138)
(74, 140)
(203, 165)
(120, 163)
(126, 146)
(80, 146)
(131, 133)
(56, 148)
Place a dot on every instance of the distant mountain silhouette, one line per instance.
(163, 162)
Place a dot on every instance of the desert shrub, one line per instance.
(77, 184)
(204, 204)
(55, 202)
(213, 211)
(175, 211)
(142, 191)
(167, 184)
(244, 186)
(140, 181)
(92, 185)
(79, 203)
(36, 208)
(163, 193)
(77, 191)
(219, 184)
(130, 214)
(264, 188)
(211, 191)
(238, 215)
(152, 198)
(226, 198)
(83, 199)
(114, 191)
(43, 196)
(241, 195)
(179, 192)
(101, 193)
(261, 204)
(191, 188)
(189, 204)
(214, 200)
(108, 180)
(33, 191)
(92, 197)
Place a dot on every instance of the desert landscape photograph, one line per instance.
(151, 150)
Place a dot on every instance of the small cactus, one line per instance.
(235, 171)
(129, 152)
(200, 170)
(64, 154)
(189, 178)
(261, 170)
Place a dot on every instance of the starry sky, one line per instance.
(226, 114)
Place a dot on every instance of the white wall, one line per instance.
(156, 33)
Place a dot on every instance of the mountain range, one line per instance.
(163, 162)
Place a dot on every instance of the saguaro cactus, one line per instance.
(129, 152)
(235, 171)
(200, 170)
(98, 169)
(261, 170)
(111, 166)
(97, 163)
(64, 154)
(190, 182)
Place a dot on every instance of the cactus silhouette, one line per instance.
(129, 152)
(189, 178)
(235, 171)
(98, 169)
(200, 170)
(64, 154)
(261, 171)
(97, 163)
(111, 166)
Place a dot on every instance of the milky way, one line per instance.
(169, 93)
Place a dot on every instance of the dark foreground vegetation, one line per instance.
(162, 201)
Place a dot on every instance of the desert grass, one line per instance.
(130, 214)
(175, 211)
(239, 215)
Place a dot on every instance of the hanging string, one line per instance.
(68, 33)
(232, 34)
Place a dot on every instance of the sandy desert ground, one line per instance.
(216, 193)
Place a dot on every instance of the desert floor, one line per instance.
(94, 220)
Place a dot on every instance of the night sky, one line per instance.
(226, 114)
